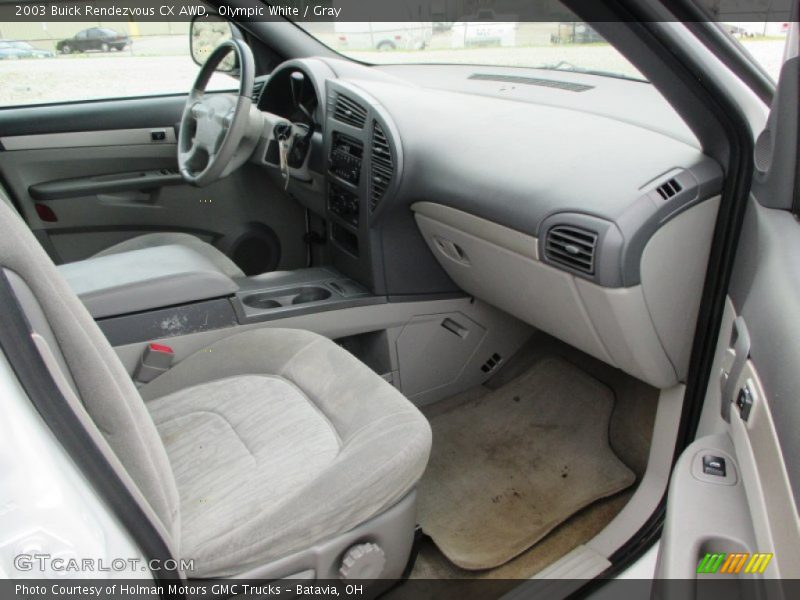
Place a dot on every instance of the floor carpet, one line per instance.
(509, 466)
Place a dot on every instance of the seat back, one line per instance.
(91, 367)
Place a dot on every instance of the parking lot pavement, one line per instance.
(162, 66)
(93, 76)
(767, 52)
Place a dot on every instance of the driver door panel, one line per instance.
(88, 175)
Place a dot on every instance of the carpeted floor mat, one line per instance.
(509, 466)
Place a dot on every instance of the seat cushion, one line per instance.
(238, 446)
(280, 439)
(170, 238)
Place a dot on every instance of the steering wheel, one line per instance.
(212, 127)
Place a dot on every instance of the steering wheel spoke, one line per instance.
(190, 155)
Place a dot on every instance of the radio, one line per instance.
(346, 155)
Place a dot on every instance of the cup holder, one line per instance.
(311, 294)
(280, 298)
(261, 301)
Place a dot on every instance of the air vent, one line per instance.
(572, 247)
(551, 83)
(382, 169)
(491, 364)
(669, 189)
(350, 112)
(257, 87)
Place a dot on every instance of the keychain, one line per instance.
(283, 132)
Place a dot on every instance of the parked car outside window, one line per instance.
(96, 38)
(13, 49)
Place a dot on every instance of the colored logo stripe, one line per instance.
(758, 563)
(710, 563)
(722, 562)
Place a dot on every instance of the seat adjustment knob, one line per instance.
(363, 561)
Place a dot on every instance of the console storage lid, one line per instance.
(145, 279)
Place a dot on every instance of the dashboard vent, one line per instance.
(668, 189)
(382, 169)
(551, 83)
(350, 112)
(257, 87)
(572, 247)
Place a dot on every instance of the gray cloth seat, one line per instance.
(261, 445)
(169, 238)
(279, 438)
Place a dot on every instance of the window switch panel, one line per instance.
(714, 465)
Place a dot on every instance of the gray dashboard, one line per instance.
(535, 151)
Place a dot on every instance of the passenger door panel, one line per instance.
(751, 414)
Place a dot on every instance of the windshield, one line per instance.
(483, 38)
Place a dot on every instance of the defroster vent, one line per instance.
(668, 189)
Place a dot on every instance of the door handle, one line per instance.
(114, 183)
(452, 250)
(741, 352)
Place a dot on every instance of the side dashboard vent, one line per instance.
(348, 111)
(382, 169)
(257, 87)
(491, 364)
(572, 247)
(668, 189)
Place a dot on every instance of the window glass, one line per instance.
(482, 38)
(53, 62)
(764, 41)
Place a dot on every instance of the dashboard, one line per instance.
(585, 210)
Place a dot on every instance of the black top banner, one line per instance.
(366, 10)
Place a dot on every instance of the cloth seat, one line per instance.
(278, 439)
(262, 444)
(170, 238)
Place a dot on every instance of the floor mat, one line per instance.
(508, 467)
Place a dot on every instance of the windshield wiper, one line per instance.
(568, 66)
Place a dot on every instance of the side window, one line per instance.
(142, 59)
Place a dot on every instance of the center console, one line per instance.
(142, 280)
(346, 157)
(258, 299)
(362, 169)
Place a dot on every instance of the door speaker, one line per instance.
(255, 248)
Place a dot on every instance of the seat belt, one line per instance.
(155, 360)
